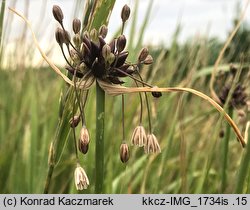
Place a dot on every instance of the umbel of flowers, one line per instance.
(89, 57)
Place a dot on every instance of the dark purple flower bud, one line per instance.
(57, 13)
(121, 59)
(121, 43)
(94, 34)
(125, 13)
(76, 25)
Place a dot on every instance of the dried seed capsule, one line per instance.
(57, 13)
(148, 60)
(74, 121)
(103, 31)
(124, 153)
(76, 25)
(143, 54)
(121, 43)
(125, 13)
(60, 38)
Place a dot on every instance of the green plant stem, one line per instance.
(244, 167)
(99, 153)
(48, 178)
(225, 148)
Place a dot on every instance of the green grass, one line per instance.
(31, 116)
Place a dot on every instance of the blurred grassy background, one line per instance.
(187, 127)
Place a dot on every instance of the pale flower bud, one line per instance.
(152, 145)
(139, 136)
(106, 51)
(81, 179)
(94, 34)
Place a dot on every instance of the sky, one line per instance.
(212, 18)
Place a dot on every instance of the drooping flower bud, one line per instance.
(103, 31)
(125, 13)
(124, 152)
(74, 121)
(84, 140)
(143, 54)
(81, 178)
(139, 136)
(76, 25)
(152, 145)
(57, 13)
(121, 43)
(60, 38)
